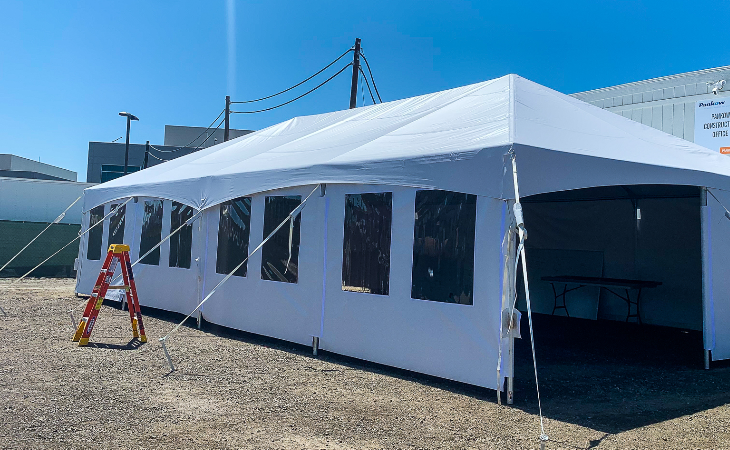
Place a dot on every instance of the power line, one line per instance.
(198, 137)
(368, 85)
(164, 151)
(157, 157)
(298, 84)
(371, 75)
(179, 148)
(211, 134)
(211, 124)
(188, 145)
(297, 98)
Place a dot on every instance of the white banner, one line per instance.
(712, 124)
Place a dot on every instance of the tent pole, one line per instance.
(706, 286)
(511, 364)
(512, 295)
(199, 266)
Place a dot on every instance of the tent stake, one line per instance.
(73, 320)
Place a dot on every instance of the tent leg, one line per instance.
(315, 345)
(510, 390)
(200, 318)
(511, 363)
(707, 317)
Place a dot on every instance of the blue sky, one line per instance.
(68, 67)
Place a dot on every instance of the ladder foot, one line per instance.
(83, 342)
(79, 331)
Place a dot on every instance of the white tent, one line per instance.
(457, 140)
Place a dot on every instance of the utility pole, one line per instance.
(355, 73)
(146, 154)
(226, 131)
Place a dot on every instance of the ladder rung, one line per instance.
(126, 288)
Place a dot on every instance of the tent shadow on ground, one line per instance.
(614, 376)
(605, 375)
(347, 362)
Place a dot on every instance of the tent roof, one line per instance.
(456, 139)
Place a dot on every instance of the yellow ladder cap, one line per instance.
(118, 248)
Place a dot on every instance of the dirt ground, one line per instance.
(604, 385)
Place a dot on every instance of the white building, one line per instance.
(679, 104)
(33, 195)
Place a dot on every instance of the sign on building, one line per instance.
(712, 124)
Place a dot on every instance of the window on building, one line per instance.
(366, 246)
(112, 171)
(181, 243)
(116, 225)
(233, 234)
(280, 256)
(93, 250)
(151, 232)
(443, 247)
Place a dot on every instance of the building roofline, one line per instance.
(655, 80)
(12, 155)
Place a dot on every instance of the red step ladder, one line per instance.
(118, 253)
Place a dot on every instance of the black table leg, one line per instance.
(556, 295)
(636, 304)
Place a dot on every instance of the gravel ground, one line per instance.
(604, 385)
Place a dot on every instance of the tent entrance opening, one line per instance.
(618, 253)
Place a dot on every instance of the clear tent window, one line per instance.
(443, 247)
(93, 249)
(366, 243)
(116, 225)
(234, 229)
(151, 232)
(280, 255)
(181, 243)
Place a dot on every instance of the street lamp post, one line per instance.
(130, 118)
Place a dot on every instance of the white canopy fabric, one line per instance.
(455, 140)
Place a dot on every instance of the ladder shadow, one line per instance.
(133, 344)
